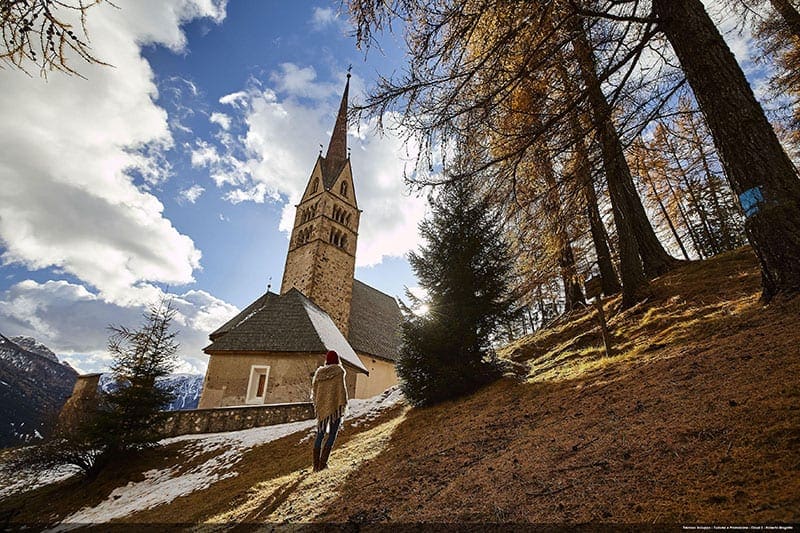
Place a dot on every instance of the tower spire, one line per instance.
(337, 148)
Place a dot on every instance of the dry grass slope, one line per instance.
(696, 418)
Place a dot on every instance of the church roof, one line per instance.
(374, 322)
(283, 323)
(336, 157)
(337, 147)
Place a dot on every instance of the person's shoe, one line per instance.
(323, 460)
(316, 460)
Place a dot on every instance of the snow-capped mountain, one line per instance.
(187, 389)
(33, 387)
(34, 346)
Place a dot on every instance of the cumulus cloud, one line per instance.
(79, 161)
(71, 320)
(282, 129)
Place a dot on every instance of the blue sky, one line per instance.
(176, 170)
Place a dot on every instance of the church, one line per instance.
(268, 353)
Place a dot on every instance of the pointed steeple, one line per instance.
(337, 148)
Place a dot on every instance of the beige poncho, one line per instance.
(329, 394)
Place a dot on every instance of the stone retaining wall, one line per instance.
(85, 397)
(234, 418)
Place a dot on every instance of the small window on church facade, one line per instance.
(343, 189)
(257, 386)
(315, 186)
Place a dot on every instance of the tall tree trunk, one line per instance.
(634, 281)
(760, 172)
(789, 14)
(645, 173)
(582, 169)
(724, 240)
(710, 239)
(688, 223)
(573, 295)
(731, 236)
(653, 256)
(608, 276)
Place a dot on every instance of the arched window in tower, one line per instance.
(315, 186)
(339, 214)
(338, 238)
(304, 236)
(343, 189)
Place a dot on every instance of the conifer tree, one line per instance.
(466, 271)
(130, 414)
(126, 418)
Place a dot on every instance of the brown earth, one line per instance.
(696, 418)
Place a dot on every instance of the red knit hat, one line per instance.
(331, 358)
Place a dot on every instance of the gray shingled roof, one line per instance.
(283, 323)
(374, 322)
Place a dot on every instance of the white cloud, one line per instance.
(281, 140)
(204, 154)
(297, 81)
(235, 99)
(221, 119)
(192, 193)
(69, 199)
(72, 321)
(325, 17)
(257, 193)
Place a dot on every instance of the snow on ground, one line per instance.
(369, 409)
(27, 479)
(163, 486)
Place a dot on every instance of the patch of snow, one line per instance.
(26, 480)
(32, 345)
(367, 409)
(370, 408)
(163, 486)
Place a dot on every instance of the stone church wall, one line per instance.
(234, 418)
(333, 285)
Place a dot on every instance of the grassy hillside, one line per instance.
(696, 418)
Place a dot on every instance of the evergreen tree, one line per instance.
(466, 269)
(130, 414)
(127, 418)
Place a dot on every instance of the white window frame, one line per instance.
(252, 384)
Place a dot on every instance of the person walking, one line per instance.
(329, 394)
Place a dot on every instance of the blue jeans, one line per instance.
(334, 429)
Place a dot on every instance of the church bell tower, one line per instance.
(322, 249)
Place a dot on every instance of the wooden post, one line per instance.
(598, 303)
(593, 289)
